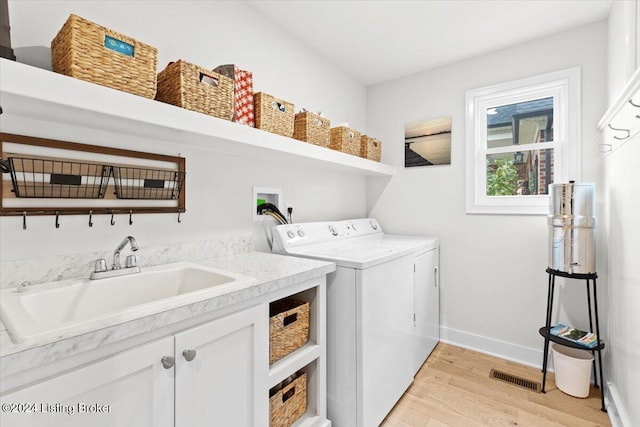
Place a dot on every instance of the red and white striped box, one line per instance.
(243, 93)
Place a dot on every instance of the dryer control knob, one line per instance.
(373, 225)
(291, 234)
(300, 233)
(333, 230)
(353, 226)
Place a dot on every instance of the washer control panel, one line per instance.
(291, 235)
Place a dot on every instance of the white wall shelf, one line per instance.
(38, 95)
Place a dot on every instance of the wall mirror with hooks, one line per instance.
(50, 177)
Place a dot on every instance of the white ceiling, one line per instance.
(376, 40)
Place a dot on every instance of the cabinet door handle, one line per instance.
(435, 273)
(189, 355)
(168, 362)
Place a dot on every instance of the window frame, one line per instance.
(564, 87)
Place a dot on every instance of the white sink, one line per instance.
(57, 309)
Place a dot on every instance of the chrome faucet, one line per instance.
(130, 267)
(116, 254)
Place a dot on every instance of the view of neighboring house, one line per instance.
(524, 124)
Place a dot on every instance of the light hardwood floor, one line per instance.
(453, 388)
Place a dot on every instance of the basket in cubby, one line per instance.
(196, 88)
(371, 148)
(346, 140)
(273, 114)
(312, 128)
(288, 401)
(288, 327)
(87, 51)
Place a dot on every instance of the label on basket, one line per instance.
(65, 179)
(118, 46)
(153, 183)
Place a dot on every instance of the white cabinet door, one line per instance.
(129, 389)
(225, 382)
(426, 302)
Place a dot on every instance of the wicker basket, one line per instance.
(311, 128)
(273, 115)
(195, 88)
(288, 403)
(371, 148)
(346, 140)
(288, 327)
(88, 51)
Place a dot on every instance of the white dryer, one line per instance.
(382, 311)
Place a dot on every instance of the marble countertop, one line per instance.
(272, 272)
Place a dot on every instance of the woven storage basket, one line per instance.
(288, 327)
(85, 50)
(289, 403)
(311, 128)
(273, 115)
(371, 148)
(346, 140)
(195, 88)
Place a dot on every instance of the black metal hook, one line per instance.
(113, 221)
(130, 218)
(24, 220)
(90, 219)
(5, 166)
(179, 220)
(57, 219)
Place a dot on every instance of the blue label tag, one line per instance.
(118, 45)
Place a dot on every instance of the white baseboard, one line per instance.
(615, 408)
(502, 349)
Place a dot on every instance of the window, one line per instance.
(521, 137)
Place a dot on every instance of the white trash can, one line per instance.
(573, 369)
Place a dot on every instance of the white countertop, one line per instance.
(272, 272)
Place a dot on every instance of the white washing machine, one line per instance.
(382, 311)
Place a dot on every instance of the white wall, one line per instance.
(621, 58)
(622, 186)
(622, 231)
(218, 186)
(494, 283)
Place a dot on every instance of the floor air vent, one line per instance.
(517, 381)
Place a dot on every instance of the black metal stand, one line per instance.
(545, 330)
